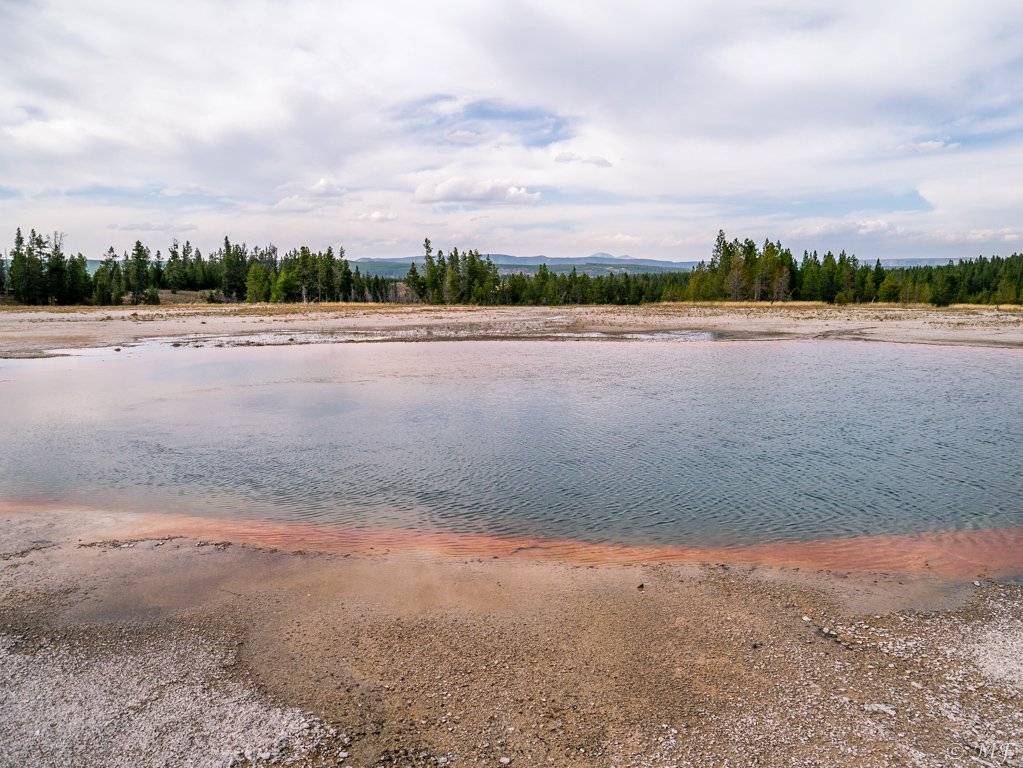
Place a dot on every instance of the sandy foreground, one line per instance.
(119, 647)
(34, 332)
(141, 641)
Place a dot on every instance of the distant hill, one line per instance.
(597, 264)
(914, 262)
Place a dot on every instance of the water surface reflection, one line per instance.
(627, 442)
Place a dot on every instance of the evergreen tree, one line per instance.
(257, 283)
(79, 283)
(415, 282)
(103, 280)
(345, 281)
(175, 273)
(139, 272)
(56, 271)
(285, 289)
(27, 279)
(234, 269)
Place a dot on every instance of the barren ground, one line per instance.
(122, 650)
(34, 332)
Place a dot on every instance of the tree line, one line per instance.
(739, 271)
(471, 278)
(736, 271)
(38, 271)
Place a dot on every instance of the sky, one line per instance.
(888, 129)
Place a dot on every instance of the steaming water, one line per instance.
(628, 442)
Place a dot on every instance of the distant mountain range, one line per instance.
(597, 258)
(597, 264)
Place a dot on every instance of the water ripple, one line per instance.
(617, 443)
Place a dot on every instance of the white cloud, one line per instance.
(151, 227)
(466, 137)
(736, 115)
(324, 188)
(177, 190)
(309, 198)
(375, 216)
(975, 236)
(461, 189)
(572, 157)
(925, 146)
(294, 204)
(848, 229)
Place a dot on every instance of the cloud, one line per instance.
(294, 204)
(452, 119)
(466, 137)
(848, 229)
(309, 198)
(731, 115)
(375, 216)
(177, 190)
(461, 189)
(152, 227)
(925, 146)
(572, 157)
(977, 236)
(321, 189)
(324, 188)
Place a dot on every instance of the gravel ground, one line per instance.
(159, 698)
(161, 652)
(36, 332)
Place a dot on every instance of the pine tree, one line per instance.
(257, 283)
(139, 272)
(27, 278)
(175, 272)
(233, 268)
(345, 281)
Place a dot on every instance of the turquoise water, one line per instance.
(632, 442)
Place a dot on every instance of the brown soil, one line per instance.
(374, 657)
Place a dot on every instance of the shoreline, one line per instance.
(955, 555)
(27, 332)
(130, 638)
(189, 650)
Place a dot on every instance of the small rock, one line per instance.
(879, 708)
(504, 760)
(806, 618)
(976, 583)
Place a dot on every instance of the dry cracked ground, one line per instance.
(167, 652)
